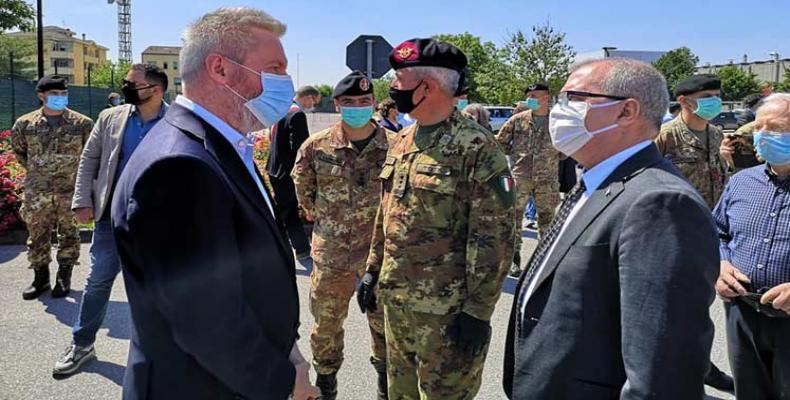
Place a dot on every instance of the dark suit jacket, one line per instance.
(621, 309)
(210, 282)
(287, 136)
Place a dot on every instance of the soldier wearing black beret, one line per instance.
(447, 203)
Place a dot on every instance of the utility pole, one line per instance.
(775, 55)
(40, 34)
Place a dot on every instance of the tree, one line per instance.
(24, 50)
(326, 97)
(481, 56)
(784, 85)
(109, 75)
(381, 87)
(542, 57)
(736, 84)
(677, 65)
(16, 14)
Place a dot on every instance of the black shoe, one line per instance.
(62, 281)
(381, 370)
(719, 380)
(40, 283)
(72, 359)
(328, 386)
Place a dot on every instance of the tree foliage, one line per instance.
(16, 14)
(109, 75)
(737, 84)
(784, 85)
(24, 52)
(381, 87)
(677, 65)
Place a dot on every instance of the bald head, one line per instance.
(774, 113)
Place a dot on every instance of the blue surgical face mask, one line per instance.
(462, 103)
(532, 103)
(708, 107)
(275, 99)
(57, 103)
(773, 147)
(357, 117)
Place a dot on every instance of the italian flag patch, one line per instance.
(506, 182)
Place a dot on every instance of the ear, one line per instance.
(217, 69)
(337, 106)
(685, 102)
(41, 96)
(630, 112)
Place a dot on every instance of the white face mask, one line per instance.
(566, 125)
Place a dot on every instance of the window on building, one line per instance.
(175, 64)
(150, 62)
(61, 63)
(164, 65)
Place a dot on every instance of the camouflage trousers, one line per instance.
(331, 290)
(545, 202)
(43, 212)
(422, 364)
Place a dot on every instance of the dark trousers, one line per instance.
(288, 213)
(759, 352)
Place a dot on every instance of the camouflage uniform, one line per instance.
(339, 186)
(696, 155)
(447, 204)
(535, 165)
(744, 146)
(51, 158)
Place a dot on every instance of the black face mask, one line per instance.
(403, 99)
(131, 95)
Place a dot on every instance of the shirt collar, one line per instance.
(595, 176)
(771, 176)
(159, 115)
(236, 139)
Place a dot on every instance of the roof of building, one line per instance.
(169, 50)
(57, 33)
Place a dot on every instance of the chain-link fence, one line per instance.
(18, 97)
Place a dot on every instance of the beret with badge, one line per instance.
(697, 83)
(52, 82)
(536, 86)
(353, 84)
(431, 53)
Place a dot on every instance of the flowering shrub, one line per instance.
(11, 177)
(261, 155)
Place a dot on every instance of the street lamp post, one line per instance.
(40, 37)
(775, 55)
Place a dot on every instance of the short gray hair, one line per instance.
(307, 91)
(775, 104)
(639, 81)
(478, 113)
(447, 78)
(226, 32)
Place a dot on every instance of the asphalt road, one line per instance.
(34, 333)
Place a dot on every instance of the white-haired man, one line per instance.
(753, 218)
(209, 277)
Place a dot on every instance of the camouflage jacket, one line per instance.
(51, 157)
(745, 155)
(339, 186)
(442, 236)
(696, 157)
(532, 156)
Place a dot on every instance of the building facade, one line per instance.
(166, 57)
(765, 70)
(607, 52)
(67, 55)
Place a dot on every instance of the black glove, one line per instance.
(470, 334)
(365, 296)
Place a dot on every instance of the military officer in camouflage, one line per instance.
(336, 177)
(48, 143)
(737, 149)
(690, 142)
(534, 162)
(440, 248)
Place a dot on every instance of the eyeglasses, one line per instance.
(572, 95)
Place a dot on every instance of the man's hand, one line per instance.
(84, 215)
(366, 298)
(469, 333)
(728, 286)
(308, 216)
(303, 390)
(778, 297)
(727, 150)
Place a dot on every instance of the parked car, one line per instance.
(499, 115)
(727, 120)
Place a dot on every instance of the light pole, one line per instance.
(40, 38)
(775, 55)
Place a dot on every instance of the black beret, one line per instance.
(427, 53)
(697, 83)
(354, 84)
(52, 82)
(536, 86)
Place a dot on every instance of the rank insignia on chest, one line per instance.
(445, 139)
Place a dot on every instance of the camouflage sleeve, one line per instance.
(662, 142)
(505, 135)
(19, 142)
(376, 255)
(489, 248)
(304, 177)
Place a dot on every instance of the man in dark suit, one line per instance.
(286, 137)
(209, 278)
(614, 302)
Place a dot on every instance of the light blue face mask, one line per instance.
(275, 99)
(532, 103)
(57, 103)
(462, 103)
(708, 107)
(773, 147)
(357, 117)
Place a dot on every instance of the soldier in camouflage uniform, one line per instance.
(690, 142)
(534, 161)
(336, 178)
(440, 248)
(48, 143)
(738, 148)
